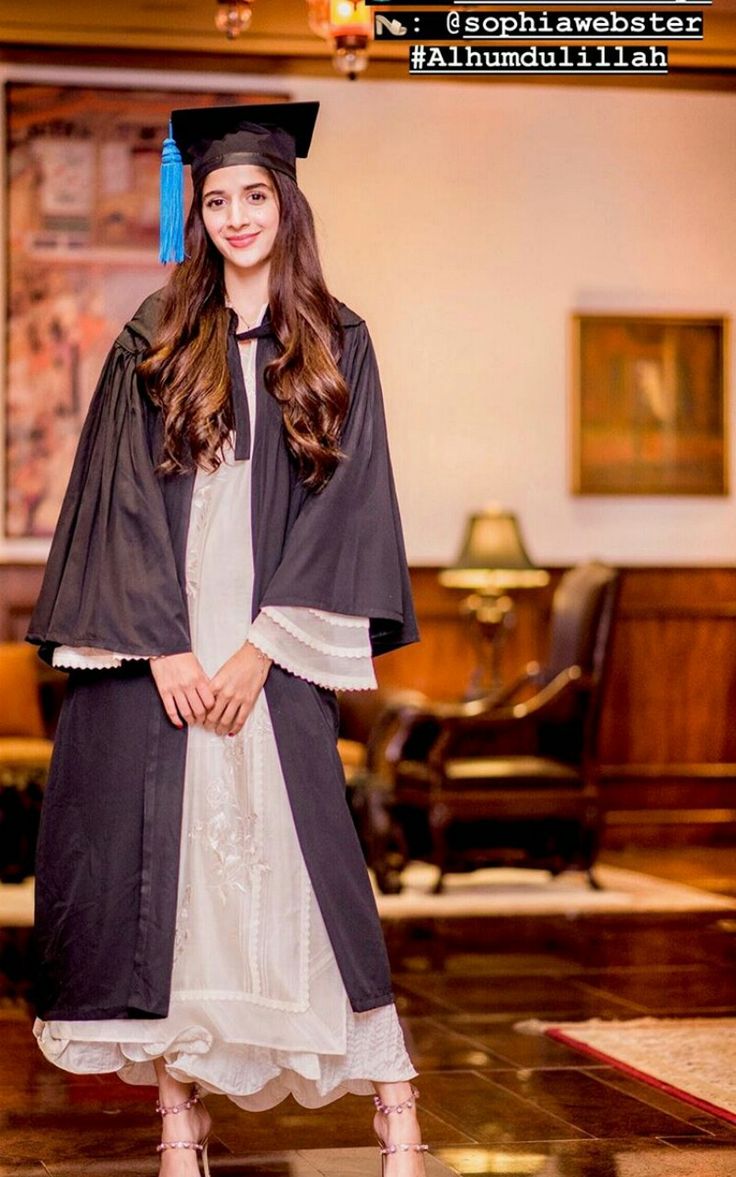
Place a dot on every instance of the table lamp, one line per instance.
(492, 561)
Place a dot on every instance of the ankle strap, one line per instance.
(184, 1106)
(389, 1149)
(179, 1144)
(389, 1108)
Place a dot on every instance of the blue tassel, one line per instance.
(171, 240)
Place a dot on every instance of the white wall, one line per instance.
(488, 213)
(464, 222)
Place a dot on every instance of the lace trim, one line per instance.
(335, 618)
(335, 682)
(74, 658)
(258, 732)
(229, 833)
(239, 995)
(232, 836)
(181, 935)
(313, 643)
(198, 523)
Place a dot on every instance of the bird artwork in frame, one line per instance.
(649, 404)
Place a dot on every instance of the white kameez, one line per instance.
(258, 1006)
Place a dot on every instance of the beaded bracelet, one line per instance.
(263, 657)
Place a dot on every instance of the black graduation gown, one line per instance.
(108, 850)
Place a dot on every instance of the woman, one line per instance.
(228, 555)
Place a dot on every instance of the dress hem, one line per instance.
(270, 1076)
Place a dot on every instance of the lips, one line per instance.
(243, 240)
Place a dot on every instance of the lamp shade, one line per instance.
(493, 556)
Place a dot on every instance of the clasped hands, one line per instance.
(220, 704)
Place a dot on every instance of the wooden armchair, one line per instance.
(511, 778)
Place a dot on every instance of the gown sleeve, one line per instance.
(345, 552)
(329, 649)
(111, 581)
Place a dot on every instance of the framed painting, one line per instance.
(649, 404)
(81, 199)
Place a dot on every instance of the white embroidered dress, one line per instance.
(258, 1007)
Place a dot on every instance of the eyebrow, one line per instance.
(246, 187)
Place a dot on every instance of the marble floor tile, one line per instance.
(522, 994)
(364, 1162)
(11, 1166)
(596, 1158)
(284, 1164)
(487, 1110)
(432, 1047)
(596, 1109)
(493, 1101)
(668, 991)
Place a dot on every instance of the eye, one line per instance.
(261, 195)
(214, 202)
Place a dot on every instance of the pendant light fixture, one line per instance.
(233, 17)
(345, 24)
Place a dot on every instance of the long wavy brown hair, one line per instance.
(185, 368)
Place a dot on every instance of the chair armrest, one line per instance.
(532, 673)
(418, 725)
(415, 731)
(399, 707)
(484, 704)
(541, 706)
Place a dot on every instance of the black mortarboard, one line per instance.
(270, 135)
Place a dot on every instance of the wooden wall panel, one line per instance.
(668, 739)
(668, 736)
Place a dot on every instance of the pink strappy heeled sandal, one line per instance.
(201, 1146)
(388, 1109)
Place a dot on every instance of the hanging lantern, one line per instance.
(233, 17)
(347, 25)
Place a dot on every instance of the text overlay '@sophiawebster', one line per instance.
(477, 42)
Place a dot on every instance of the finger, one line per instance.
(215, 713)
(196, 705)
(169, 707)
(228, 717)
(206, 694)
(213, 720)
(240, 718)
(182, 704)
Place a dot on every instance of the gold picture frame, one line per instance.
(649, 404)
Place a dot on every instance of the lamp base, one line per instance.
(492, 617)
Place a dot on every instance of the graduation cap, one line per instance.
(270, 135)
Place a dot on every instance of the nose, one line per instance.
(239, 213)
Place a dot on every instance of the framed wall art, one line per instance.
(649, 404)
(81, 220)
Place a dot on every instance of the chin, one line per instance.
(246, 263)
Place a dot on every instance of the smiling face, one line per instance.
(240, 211)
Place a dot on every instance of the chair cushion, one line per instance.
(20, 712)
(511, 770)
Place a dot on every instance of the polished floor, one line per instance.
(493, 1100)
